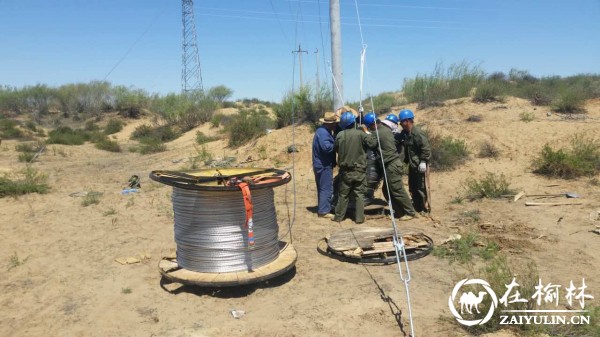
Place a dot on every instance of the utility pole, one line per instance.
(191, 75)
(336, 54)
(300, 51)
(318, 81)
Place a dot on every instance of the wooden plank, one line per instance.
(353, 238)
(530, 203)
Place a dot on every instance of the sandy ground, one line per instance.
(68, 283)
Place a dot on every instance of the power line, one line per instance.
(160, 13)
(397, 6)
(278, 21)
(343, 23)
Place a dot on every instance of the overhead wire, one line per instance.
(279, 21)
(160, 13)
(398, 239)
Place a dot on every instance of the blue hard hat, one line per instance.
(369, 118)
(347, 119)
(392, 118)
(406, 114)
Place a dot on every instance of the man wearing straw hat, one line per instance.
(323, 159)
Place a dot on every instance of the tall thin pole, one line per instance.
(300, 51)
(336, 54)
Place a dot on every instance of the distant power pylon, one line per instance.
(191, 74)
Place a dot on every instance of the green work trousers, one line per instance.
(400, 199)
(351, 183)
(417, 188)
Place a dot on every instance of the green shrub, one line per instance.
(163, 133)
(201, 138)
(151, 145)
(581, 159)
(31, 126)
(91, 198)
(108, 145)
(306, 104)
(26, 157)
(67, 136)
(248, 125)
(464, 249)
(216, 120)
(113, 126)
(491, 186)
(489, 91)
(32, 182)
(9, 130)
(455, 82)
(569, 101)
(527, 116)
(446, 152)
(91, 126)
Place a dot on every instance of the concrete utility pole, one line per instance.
(318, 81)
(336, 54)
(300, 51)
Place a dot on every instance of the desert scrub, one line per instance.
(91, 198)
(526, 116)
(31, 182)
(490, 91)
(201, 138)
(465, 248)
(113, 126)
(488, 149)
(570, 101)
(446, 152)
(582, 158)
(67, 136)
(491, 186)
(248, 125)
(108, 145)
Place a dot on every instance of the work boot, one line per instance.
(327, 216)
(406, 217)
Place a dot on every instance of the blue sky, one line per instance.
(246, 45)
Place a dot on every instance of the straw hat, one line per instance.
(345, 108)
(329, 117)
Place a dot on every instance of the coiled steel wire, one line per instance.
(210, 230)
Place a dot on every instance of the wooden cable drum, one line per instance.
(373, 245)
(225, 224)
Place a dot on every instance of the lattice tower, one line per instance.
(191, 74)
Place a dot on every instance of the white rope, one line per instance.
(398, 239)
(337, 89)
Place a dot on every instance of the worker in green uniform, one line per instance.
(351, 145)
(394, 170)
(417, 154)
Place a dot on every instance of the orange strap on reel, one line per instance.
(245, 187)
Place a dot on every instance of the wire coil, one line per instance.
(210, 230)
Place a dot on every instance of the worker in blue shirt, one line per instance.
(323, 158)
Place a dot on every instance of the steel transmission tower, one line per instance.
(191, 74)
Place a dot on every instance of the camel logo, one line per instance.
(470, 302)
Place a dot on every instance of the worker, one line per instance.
(351, 145)
(417, 154)
(323, 159)
(394, 170)
(374, 173)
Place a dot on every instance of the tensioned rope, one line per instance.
(397, 238)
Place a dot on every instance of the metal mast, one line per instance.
(336, 54)
(191, 75)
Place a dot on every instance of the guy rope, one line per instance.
(397, 238)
